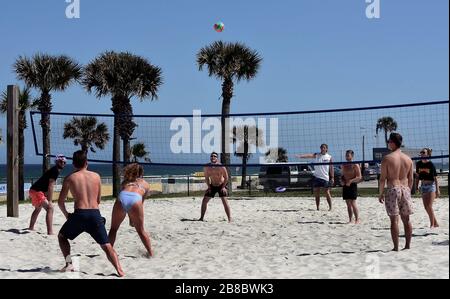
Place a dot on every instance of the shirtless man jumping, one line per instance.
(85, 186)
(397, 170)
(216, 177)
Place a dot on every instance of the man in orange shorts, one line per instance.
(397, 171)
(41, 193)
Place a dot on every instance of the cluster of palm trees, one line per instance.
(121, 76)
(87, 133)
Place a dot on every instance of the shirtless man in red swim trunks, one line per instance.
(397, 170)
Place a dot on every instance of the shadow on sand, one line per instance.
(16, 231)
(189, 220)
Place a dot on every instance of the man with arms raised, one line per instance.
(85, 186)
(397, 170)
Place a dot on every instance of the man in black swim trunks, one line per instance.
(216, 177)
(85, 186)
(351, 176)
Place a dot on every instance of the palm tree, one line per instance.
(246, 136)
(122, 76)
(230, 63)
(277, 155)
(25, 104)
(387, 124)
(85, 131)
(47, 73)
(138, 151)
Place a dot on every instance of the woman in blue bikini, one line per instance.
(131, 202)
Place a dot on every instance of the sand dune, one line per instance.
(269, 238)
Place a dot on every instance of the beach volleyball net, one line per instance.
(188, 140)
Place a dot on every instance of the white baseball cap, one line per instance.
(60, 157)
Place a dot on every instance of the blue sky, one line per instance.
(318, 54)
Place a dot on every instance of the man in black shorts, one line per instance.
(351, 176)
(216, 177)
(85, 186)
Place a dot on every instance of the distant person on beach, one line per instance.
(41, 193)
(427, 174)
(397, 170)
(216, 178)
(85, 186)
(351, 176)
(323, 174)
(131, 202)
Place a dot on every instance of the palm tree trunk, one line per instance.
(127, 126)
(21, 165)
(227, 94)
(85, 149)
(225, 157)
(45, 107)
(126, 150)
(386, 138)
(116, 158)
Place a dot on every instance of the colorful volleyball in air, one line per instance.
(219, 27)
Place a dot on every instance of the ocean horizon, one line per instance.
(34, 171)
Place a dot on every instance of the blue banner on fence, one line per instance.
(3, 188)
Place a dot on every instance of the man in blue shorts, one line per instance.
(85, 186)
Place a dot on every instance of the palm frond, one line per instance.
(229, 60)
(86, 132)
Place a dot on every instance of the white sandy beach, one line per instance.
(269, 238)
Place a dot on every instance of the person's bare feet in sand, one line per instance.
(120, 273)
(68, 268)
(406, 248)
(395, 249)
(358, 221)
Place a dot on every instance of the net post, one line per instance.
(188, 180)
(13, 151)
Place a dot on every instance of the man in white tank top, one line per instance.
(323, 174)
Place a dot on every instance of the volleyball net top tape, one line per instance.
(176, 140)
